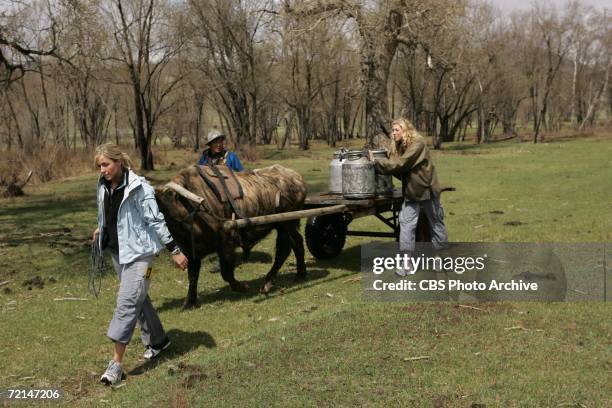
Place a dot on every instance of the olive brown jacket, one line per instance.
(415, 169)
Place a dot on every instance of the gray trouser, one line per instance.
(134, 305)
(409, 217)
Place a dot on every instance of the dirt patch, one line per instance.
(514, 223)
(61, 240)
(82, 386)
(189, 374)
(70, 247)
(17, 238)
(34, 282)
(413, 308)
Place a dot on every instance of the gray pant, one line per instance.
(134, 305)
(409, 217)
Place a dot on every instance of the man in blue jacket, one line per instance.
(216, 153)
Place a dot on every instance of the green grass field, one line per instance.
(318, 343)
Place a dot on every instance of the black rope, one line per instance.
(99, 268)
(192, 217)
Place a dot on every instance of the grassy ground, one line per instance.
(318, 342)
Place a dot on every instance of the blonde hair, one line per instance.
(113, 152)
(408, 134)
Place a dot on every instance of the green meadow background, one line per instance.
(318, 343)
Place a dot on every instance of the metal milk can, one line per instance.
(335, 172)
(358, 177)
(384, 182)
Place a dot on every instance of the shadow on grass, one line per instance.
(317, 272)
(182, 343)
(64, 242)
(212, 260)
(259, 257)
(287, 290)
(349, 259)
(41, 210)
(49, 229)
(285, 281)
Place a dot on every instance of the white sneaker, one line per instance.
(113, 374)
(403, 272)
(150, 353)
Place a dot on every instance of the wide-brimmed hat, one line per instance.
(214, 135)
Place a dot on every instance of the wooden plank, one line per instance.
(185, 193)
(286, 216)
(320, 199)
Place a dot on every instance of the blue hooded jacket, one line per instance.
(140, 224)
(230, 159)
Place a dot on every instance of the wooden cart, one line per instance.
(329, 216)
(326, 234)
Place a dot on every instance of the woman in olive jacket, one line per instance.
(410, 161)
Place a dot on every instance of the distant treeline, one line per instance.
(80, 72)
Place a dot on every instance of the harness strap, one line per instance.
(209, 183)
(226, 190)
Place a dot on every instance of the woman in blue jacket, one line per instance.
(130, 228)
(216, 153)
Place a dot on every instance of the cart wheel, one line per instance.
(326, 235)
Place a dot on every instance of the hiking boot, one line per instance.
(113, 374)
(151, 352)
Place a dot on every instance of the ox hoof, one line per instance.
(239, 287)
(265, 289)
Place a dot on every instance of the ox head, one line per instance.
(187, 226)
(169, 205)
(176, 212)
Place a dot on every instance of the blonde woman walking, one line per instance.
(130, 228)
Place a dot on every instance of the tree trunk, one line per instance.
(590, 116)
(144, 143)
(115, 111)
(198, 125)
(574, 91)
(374, 81)
(288, 127)
(14, 116)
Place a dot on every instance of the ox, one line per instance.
(199, 230)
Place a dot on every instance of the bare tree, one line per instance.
(553, 37)
(226, 51)
(303, 59)
(145, 45)
(82, 46)
(27, 31)
(382, 26)
(591, 59)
